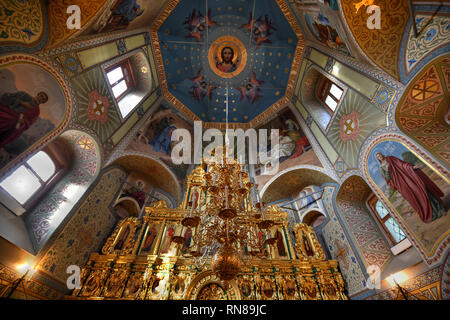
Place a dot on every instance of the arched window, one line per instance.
(129, 79)
(390, 226)
(23, 187)
(329, 93)
(120, 78)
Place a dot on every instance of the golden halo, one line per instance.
(240, 55)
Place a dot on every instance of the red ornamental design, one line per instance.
(98, 107)
(349, 124)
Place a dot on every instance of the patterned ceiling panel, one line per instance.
(423, 111)
(382, 45)
(23, 25)
(357, 118)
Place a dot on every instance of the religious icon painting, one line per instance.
(267, 289)
(325, 31)
(418, 193)
(150, 237)
(122, 237)
(246, 289)
(167, 245)
(280, 248)
(180, 285)
(227, 56)
(187, 234)
(290, 289)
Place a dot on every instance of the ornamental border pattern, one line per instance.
(42, 42)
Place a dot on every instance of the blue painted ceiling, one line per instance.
(185, 42)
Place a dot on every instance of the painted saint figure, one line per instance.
(414, 186)
(280, 244)
(163, 136)
(124, 12)
(308, 249)
(326, 33)
(18, 112)
(122, 239)
(137, 193)
(187, 244)
(165, 246)
(227, 65)
(151, 235)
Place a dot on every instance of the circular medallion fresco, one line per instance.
(227, 56)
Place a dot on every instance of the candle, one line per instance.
(226, 196)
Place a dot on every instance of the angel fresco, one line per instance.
(18, 111)
(251, 90)
(197, 24)
(260, 29)
(200, 88)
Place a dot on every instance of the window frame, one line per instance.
(371, 204)
(129, 78)
(61, 168)
(324, 91)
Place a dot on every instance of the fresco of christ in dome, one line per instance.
(226, 64)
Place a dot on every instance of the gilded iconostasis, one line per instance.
(362, 114)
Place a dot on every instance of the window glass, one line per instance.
(115, 75)
(381, 209)
(42, 165)
(119, 88)
(331, 103)
(128, 103)
(336, 91)
(21, 184)
(395, 230)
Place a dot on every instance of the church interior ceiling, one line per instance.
(246, 64)
(249, 60)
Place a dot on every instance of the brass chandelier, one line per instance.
(228, 224)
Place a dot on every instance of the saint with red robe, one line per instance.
(18, 111)
(414, 186)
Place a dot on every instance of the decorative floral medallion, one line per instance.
(98, 107)
(349, 126)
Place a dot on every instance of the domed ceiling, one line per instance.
(250, 49)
